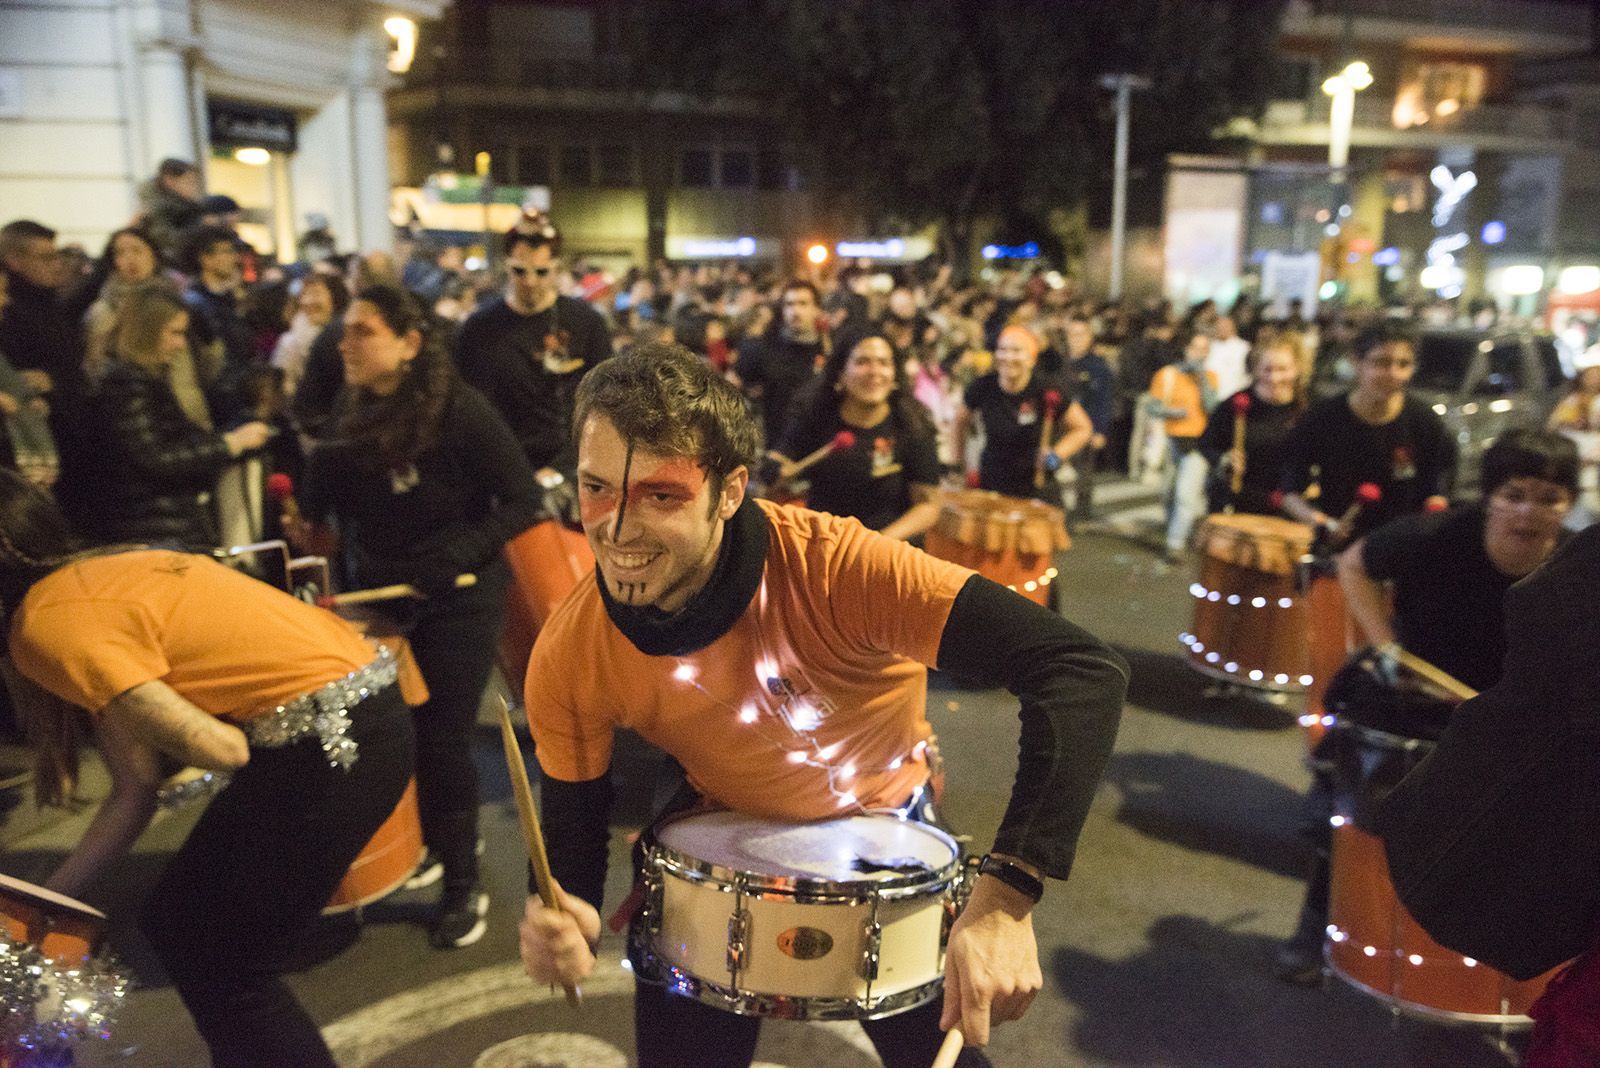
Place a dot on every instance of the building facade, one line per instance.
(281, 103)
(1472, 150)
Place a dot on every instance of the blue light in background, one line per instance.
(1494, 232)
(1386, 257)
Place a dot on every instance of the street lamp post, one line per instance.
(1123, 85)
(1342, 88)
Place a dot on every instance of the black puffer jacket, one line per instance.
(149, 464)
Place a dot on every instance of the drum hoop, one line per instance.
(805, 890)
(652, 969)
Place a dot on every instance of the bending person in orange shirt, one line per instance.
(780, 655)
(175, 656)
(1181, 395)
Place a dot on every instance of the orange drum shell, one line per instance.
(1362, 904)
(386, 861)
(59, 934)
(1009, 540)
(547, 562)
(1270, 639)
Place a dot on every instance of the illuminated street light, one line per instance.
(253, 156)
(403, 32)
(1342, 87)
(817, 254)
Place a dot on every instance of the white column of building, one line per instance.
(369, 146)
(163, 38)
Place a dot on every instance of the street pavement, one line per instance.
(1156, 953)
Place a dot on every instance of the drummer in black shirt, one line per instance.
(1375, 433)
(1271, 405)
(1449, 572)
(1011, 401)
(888, 477)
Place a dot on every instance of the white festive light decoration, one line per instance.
(1201, 593)
(1338, 936)
(1231, 667)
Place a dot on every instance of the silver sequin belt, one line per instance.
(324, 712)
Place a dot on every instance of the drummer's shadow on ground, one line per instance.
(1210, 807)
(1202, 994)
(1165, 684)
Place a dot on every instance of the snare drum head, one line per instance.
(854, 849)
(47, 900)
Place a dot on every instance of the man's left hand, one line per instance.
(991, 966)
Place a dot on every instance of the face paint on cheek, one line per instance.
(670, 486)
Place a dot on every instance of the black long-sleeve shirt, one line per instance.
(1266, 432)
(449, 512)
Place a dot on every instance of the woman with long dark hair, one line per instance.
(425, 482)
(885, 472)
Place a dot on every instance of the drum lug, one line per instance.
(652, 902)
(872, 936)
(738, 932)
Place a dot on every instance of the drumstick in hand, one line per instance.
(528, 816)
(950, 1049)
(1438, 676)
(842, 440)
(385, 593)
(1241, 408)
(1052, 401)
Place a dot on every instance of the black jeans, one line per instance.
(453, 639)
(672, 1031)
(254, 875)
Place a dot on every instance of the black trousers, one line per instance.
(453, 639)
(672, 1031)
(254, 875)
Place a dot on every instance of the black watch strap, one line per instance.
(1013, 875)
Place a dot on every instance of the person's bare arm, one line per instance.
(958, 434)
(135, 777)
(922, 514)
(158, 717)
(1297, 507)
(1076, 430)
(1364, 596)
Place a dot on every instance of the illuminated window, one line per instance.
(1434, 92)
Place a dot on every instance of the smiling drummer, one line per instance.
(779, 655)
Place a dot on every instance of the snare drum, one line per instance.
(546, 561)
(60, 927)
(386, 861)
(1249, 617)
(839, 920)
(1011, 540)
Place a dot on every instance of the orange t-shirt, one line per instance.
(812, 703)
(92, 630)
(1176, 389)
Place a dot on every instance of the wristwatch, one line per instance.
(1013, 875)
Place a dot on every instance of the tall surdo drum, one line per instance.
(842, 919)
(1249, 617)
(1010, 540)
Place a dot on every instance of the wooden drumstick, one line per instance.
(1052, 401)
(1438, 676)
(951, 1048)
(528, 816)
(1241, 408)
(842, 440)
(386, 593)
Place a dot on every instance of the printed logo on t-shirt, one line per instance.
(1026, 415)
(883, 462)
(1405, 463)
(403, 479)
(558, 358)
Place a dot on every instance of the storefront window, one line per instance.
(1438, 92)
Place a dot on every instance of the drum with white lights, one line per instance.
(1249, 617)
(1374, 945)
(840, 919)
(1009, 540)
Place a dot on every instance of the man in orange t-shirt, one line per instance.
(174, 655)
(780, 656)
(1181, 394)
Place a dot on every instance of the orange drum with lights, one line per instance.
(1374, 945)
(59, 927)
(1249, 616)
(1011, 540)
(547, 562)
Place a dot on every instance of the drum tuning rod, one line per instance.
(528, 815)
(950, 1049)
(1438, 676)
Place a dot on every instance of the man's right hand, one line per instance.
(557, 943)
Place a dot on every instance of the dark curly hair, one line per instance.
(400, 427)
(667, 399)
(822, 404)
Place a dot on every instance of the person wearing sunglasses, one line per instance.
(527, 350)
